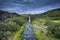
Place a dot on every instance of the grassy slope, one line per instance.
(40, 35)
(13, 23)
(52, 16)
(19, 33)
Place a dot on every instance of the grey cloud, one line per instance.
(28, 5)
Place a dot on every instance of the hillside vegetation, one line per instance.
(53, 14)
(10, 24)
(47, 27)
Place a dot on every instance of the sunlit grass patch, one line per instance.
(56, 21)
(40, 21)
(37, 33)
(19, 33)
(40, 35)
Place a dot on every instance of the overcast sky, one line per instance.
(29, 6)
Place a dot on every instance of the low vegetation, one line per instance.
(48, 26)
(19, 33)
(13, 24)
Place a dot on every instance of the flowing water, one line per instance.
(28, 33)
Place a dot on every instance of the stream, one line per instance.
(28, 33)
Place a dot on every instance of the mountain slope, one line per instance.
(53, 14)
(47, 26)
(10, 23)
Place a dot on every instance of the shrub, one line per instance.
(53, 28)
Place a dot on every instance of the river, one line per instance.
(28, 33)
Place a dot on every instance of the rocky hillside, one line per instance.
(52, 14)
(5, 15)
(10, 23)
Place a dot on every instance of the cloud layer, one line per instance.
(29, 6)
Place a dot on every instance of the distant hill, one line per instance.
(52, 14)
(4, 15)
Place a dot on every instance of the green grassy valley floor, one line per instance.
(42, 31)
